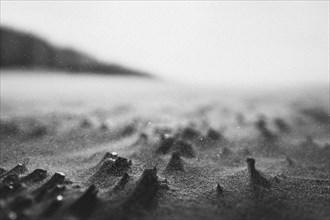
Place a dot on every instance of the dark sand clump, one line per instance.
(189, 133)
(184, 148)
(145, 192)
(317, 114)
(111, 165)
(175, 163)
(282, 125)
(257, 179)
(165, 144)
(170, 144)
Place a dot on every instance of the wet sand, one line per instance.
(181, 151)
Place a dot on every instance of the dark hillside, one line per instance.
(23, 50)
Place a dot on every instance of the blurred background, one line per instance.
(244, 44)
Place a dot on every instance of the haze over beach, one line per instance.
(220, 43)
(134, 110)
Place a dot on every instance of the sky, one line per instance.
(201, 42)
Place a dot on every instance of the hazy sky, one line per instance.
(241, 42)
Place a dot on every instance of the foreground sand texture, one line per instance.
(180, 152)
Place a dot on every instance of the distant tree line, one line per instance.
(22, 50)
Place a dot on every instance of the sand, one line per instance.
(180, 150)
